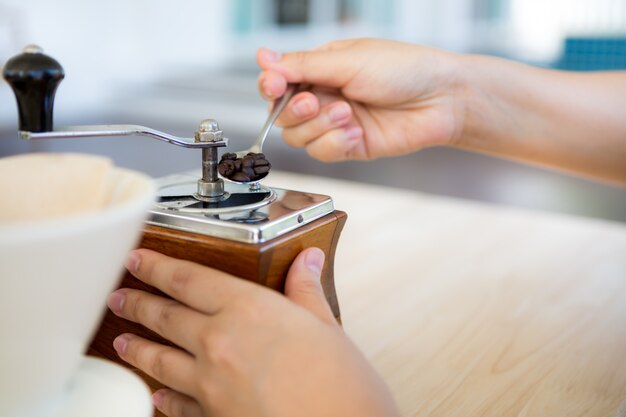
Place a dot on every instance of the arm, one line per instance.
(573, 121)
(398, 98)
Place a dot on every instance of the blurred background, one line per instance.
(170, 64)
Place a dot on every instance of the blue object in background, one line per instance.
(593, 54)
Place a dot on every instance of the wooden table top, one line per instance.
(469, 309)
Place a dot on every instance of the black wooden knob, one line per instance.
(34, 78)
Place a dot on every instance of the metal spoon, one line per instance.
(257, 147)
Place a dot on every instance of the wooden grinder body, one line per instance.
(265, 263)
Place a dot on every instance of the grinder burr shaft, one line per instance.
(210, 186)
(209, 164)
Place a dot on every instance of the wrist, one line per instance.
(446, 88)
(475, 101)
(460, 93)
(498, 107)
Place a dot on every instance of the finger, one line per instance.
(302, 107)
(168, 318)
(170, 366)
(303, 285)
(272, 85)
(267, 55)
(336, 44)
(202, 288)
(175, 404)
(327, 67)
(330, 117)
(339, 144)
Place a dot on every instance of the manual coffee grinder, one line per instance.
(249, 230)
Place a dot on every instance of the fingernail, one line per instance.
(132, 262)
(270, 55)
(353, 133)
(116, 302)
(157, 398)
(314, 260)
(339, 112)
(302, 108)
(120, 343)
(265, 85)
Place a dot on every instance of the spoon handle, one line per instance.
(279, 105)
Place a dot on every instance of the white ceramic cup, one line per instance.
(55, 276)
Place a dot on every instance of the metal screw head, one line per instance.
(209, 131)
(32, 49)
(209, 125)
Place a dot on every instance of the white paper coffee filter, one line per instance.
(42, 186)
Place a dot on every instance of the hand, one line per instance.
(245, 350)
(370, 98)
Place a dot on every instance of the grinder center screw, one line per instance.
(210, 186)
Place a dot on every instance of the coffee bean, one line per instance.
(240, 177)
(261, 170)
(229, 156)
(247, 161)
(261, 162)
(226, 168)
(255, 156)
(249, 171)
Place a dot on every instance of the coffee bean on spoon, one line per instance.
(226, 168)
(249, 171)
(256, 156)
(240, 177)
(247, 161)
(260, 170)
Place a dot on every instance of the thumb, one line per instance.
(303, 285)
(321, 67)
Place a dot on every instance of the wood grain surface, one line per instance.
(476, 310)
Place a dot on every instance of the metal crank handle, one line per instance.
(88, 131)
(34, 78)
